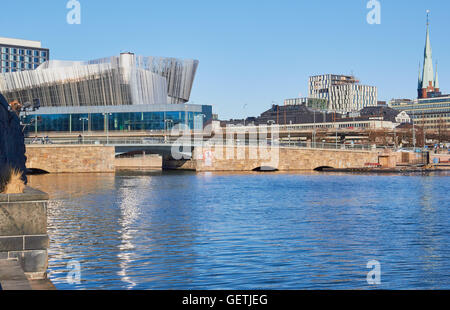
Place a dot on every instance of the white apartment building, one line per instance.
(343, 93)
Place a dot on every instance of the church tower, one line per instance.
(428, 81)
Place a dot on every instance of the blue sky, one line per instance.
(251, 52)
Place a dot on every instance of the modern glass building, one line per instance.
(123, 93)
(117, 118)
(18, 55)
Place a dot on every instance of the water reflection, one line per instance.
(248, 231)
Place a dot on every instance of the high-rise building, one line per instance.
(19, 55)
(344, 93)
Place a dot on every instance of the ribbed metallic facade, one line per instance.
(121, 80)
(343, 93)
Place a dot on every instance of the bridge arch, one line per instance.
(323, 168)
(265, 169)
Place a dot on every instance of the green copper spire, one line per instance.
(428, 75)
(436, 79)
(420, 77)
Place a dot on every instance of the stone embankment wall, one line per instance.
(139, 162)
(71, 159)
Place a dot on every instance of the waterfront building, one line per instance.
(429, 113)
(344, 93)
(121, 93)
(19, 55)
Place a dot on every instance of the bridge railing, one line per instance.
(213, 142)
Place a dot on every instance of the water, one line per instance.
(248, 231)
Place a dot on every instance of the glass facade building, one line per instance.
(19, 55)
(122, 119)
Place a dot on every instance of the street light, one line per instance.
(82, 119)
(166, 128)
(106, 125)
(244, 107)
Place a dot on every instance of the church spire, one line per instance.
(436, 80)
(428, 74)
(420, 77)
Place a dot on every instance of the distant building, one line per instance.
(313, 103)
(386, 113)
(344, 93)
(303, 115)
(19, 55)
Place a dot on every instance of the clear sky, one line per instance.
(251, 52)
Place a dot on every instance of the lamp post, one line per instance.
(107, 126)
(314, 132)
(244, 107)
(82, 119)
(166, 128)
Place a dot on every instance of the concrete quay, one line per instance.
(24, 240)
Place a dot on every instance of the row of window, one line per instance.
(23, 58)
(21, 67)
(139, 121)
(20, 51)
(421, 114)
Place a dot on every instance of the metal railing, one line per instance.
(206, 143)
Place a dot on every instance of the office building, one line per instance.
(19, 55)
(344, 93)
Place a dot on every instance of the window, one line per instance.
(43, 54)
(29, 52)
(21, 52)
(36, 53)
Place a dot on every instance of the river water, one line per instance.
(175, 230)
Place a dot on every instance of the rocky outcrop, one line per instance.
(12, 145)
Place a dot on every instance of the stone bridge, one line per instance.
(248, 158)
(99, 158)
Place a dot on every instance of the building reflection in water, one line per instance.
(130, 200)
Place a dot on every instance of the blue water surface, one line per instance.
(172, 230)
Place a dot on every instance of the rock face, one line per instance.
(12, 144)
